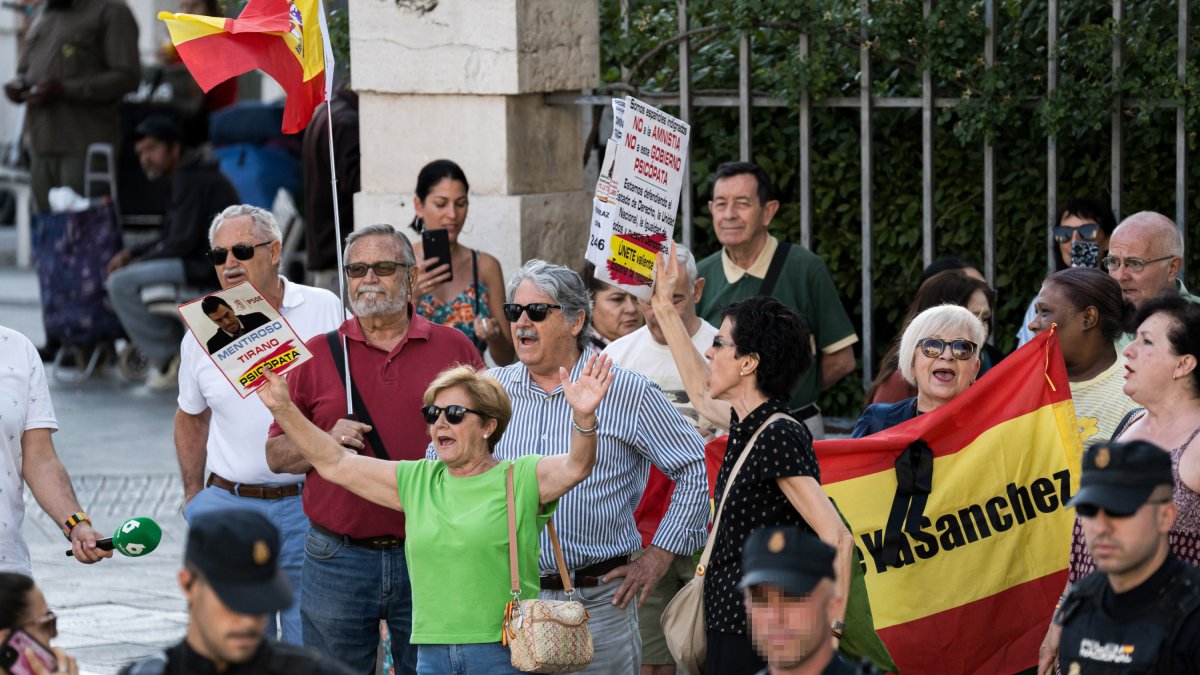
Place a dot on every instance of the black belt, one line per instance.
(810, 410)
(585, 577)
(254, 491)
(379, 543)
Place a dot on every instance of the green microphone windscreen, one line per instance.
(137, 537)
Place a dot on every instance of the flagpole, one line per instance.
(337, 229)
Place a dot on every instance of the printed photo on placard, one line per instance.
(243, 333)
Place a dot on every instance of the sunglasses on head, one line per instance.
(1087, 232)
(218, 256)
(454, 413)
(959, 349)
(537, 311)
(385, 268)
(1091, 510)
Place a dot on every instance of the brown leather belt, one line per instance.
(380, 543)
(585, 577)
(254, 491)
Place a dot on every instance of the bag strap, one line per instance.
(776, 268)
(475, 279)
(513, 572)
(363, 415)
(712, 534)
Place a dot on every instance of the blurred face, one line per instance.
(1127, 545)
(788, 630)
(225, 319)
(372, 295)
(739, 218)
(215, 631)
(158, 158)
(724, 366)
(684, 298)
(1154, 279)
(445, 207)
(262, 269)
(1150, 365)
(544, 346)
(982, 308)
(942, 377)
(615, 313)
(462, 443)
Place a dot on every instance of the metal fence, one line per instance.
(866, 102)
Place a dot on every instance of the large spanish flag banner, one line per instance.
(960, 517)
(284, 39)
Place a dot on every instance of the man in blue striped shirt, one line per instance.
(549, 309)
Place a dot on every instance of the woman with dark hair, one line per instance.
(467, 293)
(954, 287)
(751, 368)
(23, 608)
(615, 312)
(1089, 310)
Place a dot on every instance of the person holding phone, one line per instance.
(27, 625)
(457, 286)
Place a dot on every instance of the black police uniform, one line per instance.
(272, 658)
(1153, 628)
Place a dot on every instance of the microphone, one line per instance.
(134, 538)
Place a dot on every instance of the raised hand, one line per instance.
(666, 274)
(274, 394)
(585, 394)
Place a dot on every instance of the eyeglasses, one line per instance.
(454, 413)
(537, 311)
(959, 349)
(48, 623)
(1135, 265)
(1086, 232)
(218, 256)
(384, 268)
(719, 342)
(1091, 510)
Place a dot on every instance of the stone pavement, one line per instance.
(115, 440)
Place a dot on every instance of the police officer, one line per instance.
(232, 581)
(1140, 611)
(789, 590)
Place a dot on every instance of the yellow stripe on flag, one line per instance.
(184, 27)
(973, 515)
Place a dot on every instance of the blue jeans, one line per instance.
(347, 590)
(157, 336)
(288, 516)
(615, 635)
(485, 659)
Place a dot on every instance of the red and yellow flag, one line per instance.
(283, 38)
(961, 520)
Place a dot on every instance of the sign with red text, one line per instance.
(242, 333)
(637, 195)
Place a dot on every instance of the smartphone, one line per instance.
(436, 244)
(1085, 254)
(12, 654)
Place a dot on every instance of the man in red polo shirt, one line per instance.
(354, 568)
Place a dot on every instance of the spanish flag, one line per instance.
(284, 39)
(960, 516)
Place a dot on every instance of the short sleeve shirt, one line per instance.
(784, 449)
(24, 405)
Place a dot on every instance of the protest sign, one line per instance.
(242, 333)
(637, 195)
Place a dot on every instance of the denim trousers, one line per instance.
(157, 336)
(288, 516)
(615, 636)
(483, 659)
(347, 590)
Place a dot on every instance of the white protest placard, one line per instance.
(242, 333)
(637, 195)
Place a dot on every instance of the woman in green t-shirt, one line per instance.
(456, 529)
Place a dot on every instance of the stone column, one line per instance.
(465, 80)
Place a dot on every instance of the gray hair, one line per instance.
(564, 286)
(948, 321)
(1167, 238)
(688, 261)
(402, 244)
(265, 226)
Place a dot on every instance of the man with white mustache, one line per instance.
(220, 433)
(355, 572)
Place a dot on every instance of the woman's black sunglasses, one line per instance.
(537, 311)
(217, 256)
(1087, 232)
(454, 413)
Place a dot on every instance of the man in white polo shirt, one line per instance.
(217, 430)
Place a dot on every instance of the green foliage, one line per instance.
(1005, 103)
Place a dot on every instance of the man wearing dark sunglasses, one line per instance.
(195, 190)
(1140, 611)
(355, 570)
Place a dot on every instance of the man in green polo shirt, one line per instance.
(1145, 255)
(742, 206)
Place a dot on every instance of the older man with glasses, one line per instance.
(1145, 255)
(355, 571)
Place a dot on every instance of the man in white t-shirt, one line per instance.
(27, 456)
(645, 351)
(218, 431)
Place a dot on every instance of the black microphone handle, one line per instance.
(105, 544)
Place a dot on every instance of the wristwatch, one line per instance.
(72, 521)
